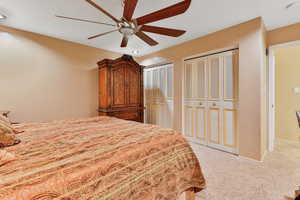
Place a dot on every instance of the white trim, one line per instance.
(271, 92)
(271, 101)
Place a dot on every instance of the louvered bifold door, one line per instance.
(188, 97)
(215, 69)
(159, 98)
(231, 76)
(211, 100)
(200, 79)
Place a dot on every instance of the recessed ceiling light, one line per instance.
(292, 4)
(135, 52)
(2, 17)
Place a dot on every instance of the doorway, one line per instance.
(284, 94)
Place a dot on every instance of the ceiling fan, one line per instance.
(128, 26)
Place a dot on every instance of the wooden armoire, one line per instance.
(121, 89)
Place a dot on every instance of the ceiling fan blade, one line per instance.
(129, 7)
(163, 31)
(95, 36)
(146, 38)
(124, 42)
(170, 11)
(84, 20)
(102, 10)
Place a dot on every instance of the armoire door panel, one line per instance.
(214, 125)
(230, 129)
(132, 86)
(103, 88)
(118, 86)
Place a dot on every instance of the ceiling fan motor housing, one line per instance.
(127, 28)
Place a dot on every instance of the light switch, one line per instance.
(296, 90)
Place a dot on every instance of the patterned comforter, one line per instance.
(99, 158)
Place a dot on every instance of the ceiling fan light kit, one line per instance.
(128, 26)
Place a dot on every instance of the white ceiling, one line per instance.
(203, 17)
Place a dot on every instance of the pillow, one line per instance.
(4, 119)
(7, 137)
(6, 157)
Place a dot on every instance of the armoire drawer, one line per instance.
(127, 116)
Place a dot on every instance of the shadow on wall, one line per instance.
(158, 108)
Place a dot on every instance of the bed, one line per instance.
(100, 158)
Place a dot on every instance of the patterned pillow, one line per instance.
(6, 157)
(7, 135)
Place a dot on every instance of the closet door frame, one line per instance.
(223, 101)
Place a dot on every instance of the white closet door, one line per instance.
(169, 82)
(215, 70)
(188, 125)
(199, 82)
(163, 83)
(214, 117)
(230, 76)
(200, 122)
(210, 99)
(159, 102)
(188, 80)
(230, 128)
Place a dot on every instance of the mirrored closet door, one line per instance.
(158, 84)
(211, 100)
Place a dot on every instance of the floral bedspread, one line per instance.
(99, 158)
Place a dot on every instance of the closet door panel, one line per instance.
(159, 98)
(230, 76)
(200, 122)
(214, 125)
(200, 79)
(170, 82)
(148, 84)
(188, 125)
(162, 83)
(215, 77)
(188, 80)
(230, 129)
(156, 84)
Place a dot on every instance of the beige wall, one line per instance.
(249, 37)
(284, 34)
(43, 78)
(287, 61)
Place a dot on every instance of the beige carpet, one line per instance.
(232, 178)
